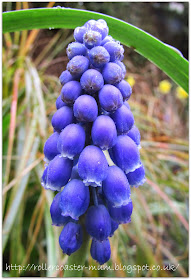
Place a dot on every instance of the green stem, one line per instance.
(77, 260)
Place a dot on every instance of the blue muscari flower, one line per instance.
(123, 119)
(85, 108)
(71, 91)
(92, 166)
(92, 81)
(62, 117)
(121, 215)
(135, 135)
(100, 250)
(125, 154)
(116, 187)
(110, 98)
(137, 177)
(92, 38)
(75, 48)
(56, 178)
(75, 199)
(99, 56)
(55, 212)
(115, 50)
(65, 77)
(100, 26)
(125, 89)
(50, 147)
(93, 122)
(104, 133)
(79, 33)
(112, 73)
(71, 238)
(78, 65)
(71, 140)
(59, 102)
(98, 222)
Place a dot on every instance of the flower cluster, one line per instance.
(92, 117)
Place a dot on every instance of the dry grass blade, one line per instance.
(12, 123)
(22, 174)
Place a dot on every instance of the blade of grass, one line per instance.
(22, 174)
(39, 97)
(36, 230)
(32, 36)
(156, 51)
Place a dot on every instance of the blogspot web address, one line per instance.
(74, 267)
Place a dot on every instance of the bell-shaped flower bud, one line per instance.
(55, 212)
(125, 154)
(116, 187)
(125, 89)
(71, 238)
(85, 108)
(58, 173)
(75, 199)
(71, 140)
(62, 117)
(104, 133)
(123, 119)
(50, 147)
(71, 91)
(98, 222)
(100, 250)
(92, 166)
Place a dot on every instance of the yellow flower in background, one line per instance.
(131, 81)
(181, 93)
(165, 86)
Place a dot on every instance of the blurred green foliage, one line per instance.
(158, 233)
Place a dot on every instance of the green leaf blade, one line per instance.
(168, 60)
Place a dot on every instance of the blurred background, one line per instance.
(32, 62)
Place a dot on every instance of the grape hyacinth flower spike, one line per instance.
(93, 126)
